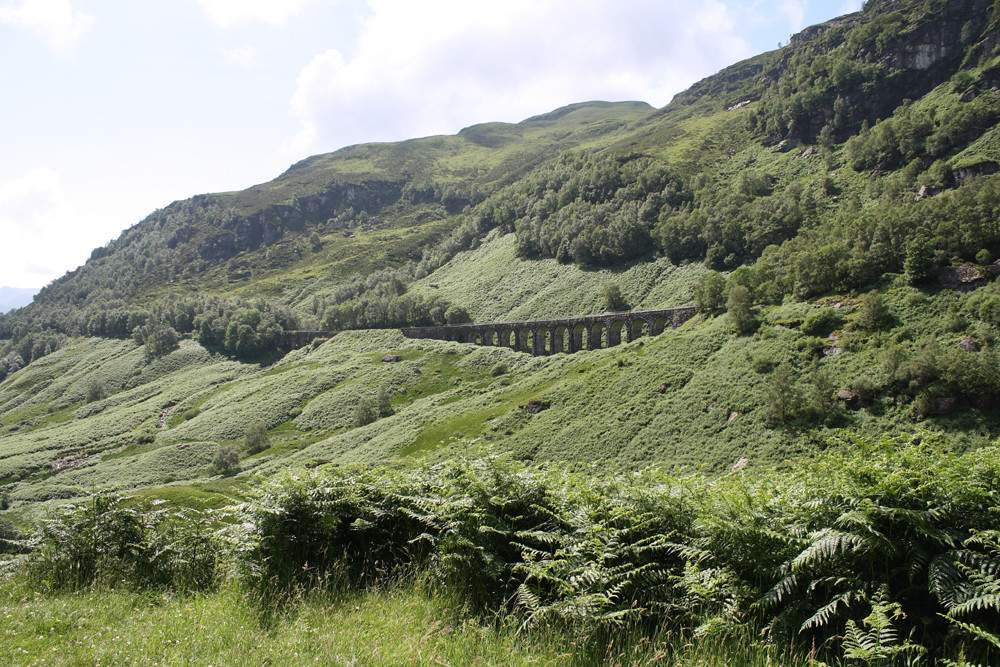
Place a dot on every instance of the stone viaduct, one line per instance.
(568, 334)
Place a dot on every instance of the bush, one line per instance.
(709, 291)
(873, 314)
(821, 322)
(227, 459)
(112, 540)
(365, 411)
(95, 391)
(255, 439)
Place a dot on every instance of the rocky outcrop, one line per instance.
(271, 224)
(965, 174)
(962, 278)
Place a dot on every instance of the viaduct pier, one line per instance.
(568, 334)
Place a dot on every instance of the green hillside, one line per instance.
(833, 210)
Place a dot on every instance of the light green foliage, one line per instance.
(878, 642)
(709, 291)
(613, 301)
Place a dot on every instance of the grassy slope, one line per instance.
(692, 396)
(485, 154)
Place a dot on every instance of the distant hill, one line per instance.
(16, 297)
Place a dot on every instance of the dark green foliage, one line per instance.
(157, 339)
(822, 322)
(822, 394)
(873, 314)
(385, 312)
(114, 541)
(366, 411)
(359, 524)
(588, 209)
(883, 536)
(227, 459)
(95, 391)
(457, 315)
(784, 399)
(919, 264)
(383, 401)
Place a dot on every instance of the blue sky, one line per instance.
(113, 108)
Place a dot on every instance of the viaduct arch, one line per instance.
(568, 334)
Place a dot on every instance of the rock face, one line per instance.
(966, 174)
(969, 344)
(269, 226)
(392, 358)
(962, 278)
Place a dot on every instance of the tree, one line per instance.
(783, 399)
(457, 315)
(227, 459)
(873, 314)
(822, 394)
(709, 290)
(315, 242)
(613, 299)
(365, 412)
(384, 402)
(919, 263)
(255, 439)
(739, 310)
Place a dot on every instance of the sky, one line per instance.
(114, 108)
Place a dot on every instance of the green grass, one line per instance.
(391, 626)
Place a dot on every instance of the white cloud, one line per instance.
(226, 13)
(55, 21)
(40, 226)
(244, 56)
(431, 67)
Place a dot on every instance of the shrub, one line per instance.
(709, 291)
(821, 322)
(227, 459)
(112, 540)
(255, 439)
(95, 391)
(365, 411)
(873, 314)
(612, 299)
(783, 399)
